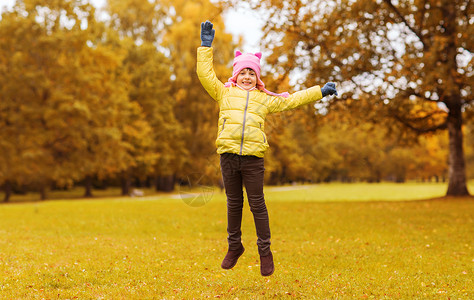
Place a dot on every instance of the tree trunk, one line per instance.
(7, 188)
(165, 183)
(88, 187)
(126, 184)
(457, 168)
(43, 192)
(457, 185)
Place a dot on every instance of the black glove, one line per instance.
(329, 89)
(207, 34)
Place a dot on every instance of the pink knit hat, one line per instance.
(251, 61)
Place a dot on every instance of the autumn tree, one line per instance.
(138, 20)
(374, 152)
(413, 58)
(195, 110)
(140, 28)
(334, 146)
(151, 89)
(64, 116)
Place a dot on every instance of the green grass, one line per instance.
(360, 192)
(161, 248)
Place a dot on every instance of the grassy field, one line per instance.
(329, 241)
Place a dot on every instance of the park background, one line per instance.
(110, 98)
(367, 192)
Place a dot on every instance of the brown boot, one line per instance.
(266, 265)
(232, 257)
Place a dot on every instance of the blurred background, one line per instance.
(104, 94)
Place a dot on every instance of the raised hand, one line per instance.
(207, 34)
(329, 89)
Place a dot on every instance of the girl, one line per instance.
(241, 142)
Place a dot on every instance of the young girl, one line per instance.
(244, 103)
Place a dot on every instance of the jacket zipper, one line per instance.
(243, 124)
(223, 124)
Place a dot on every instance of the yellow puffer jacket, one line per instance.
(242, 113)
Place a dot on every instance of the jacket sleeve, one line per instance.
(277, 104)
(206, 74)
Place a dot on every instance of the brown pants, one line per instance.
(238, 171)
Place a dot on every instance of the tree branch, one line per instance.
(408, 122)
(398, 13)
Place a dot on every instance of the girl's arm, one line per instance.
(206, 74)
(277, 104)
(205, 61)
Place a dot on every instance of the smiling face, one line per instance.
(247, 79)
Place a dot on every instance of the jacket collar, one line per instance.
(254, 88)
